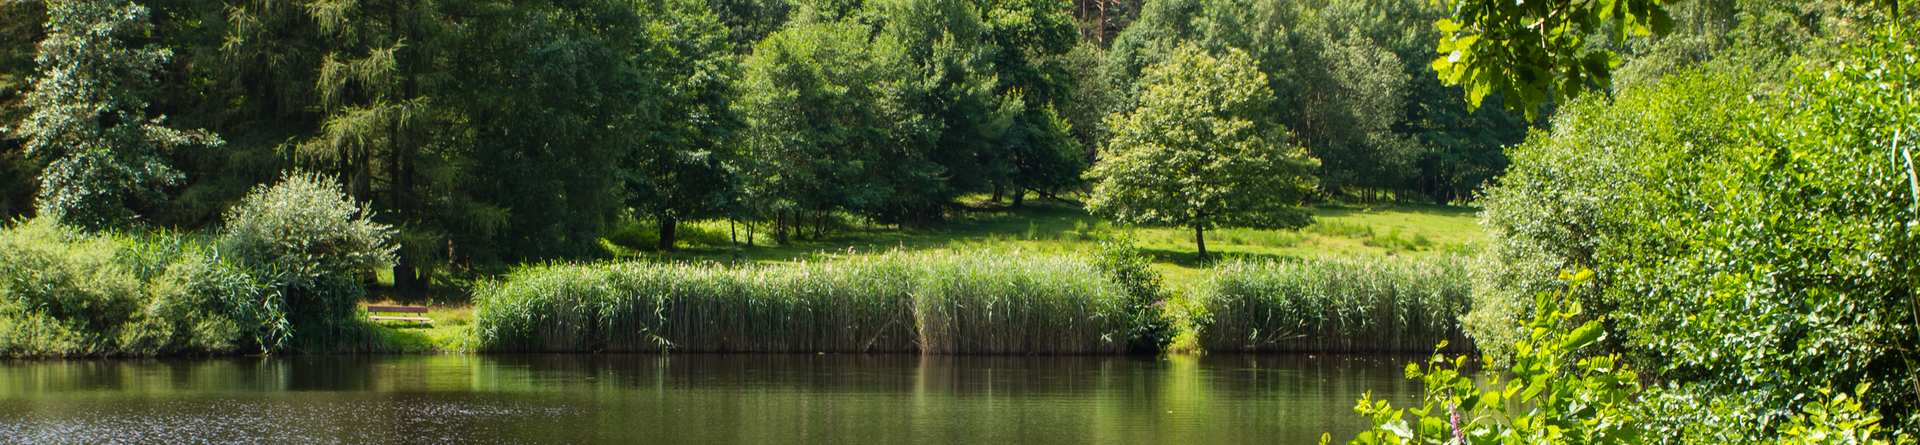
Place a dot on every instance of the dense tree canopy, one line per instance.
(88, 116)
(1350, 80)
(493, 132)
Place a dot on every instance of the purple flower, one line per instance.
(1453, 418)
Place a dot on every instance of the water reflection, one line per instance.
(694, 398)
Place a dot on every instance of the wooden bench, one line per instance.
(374, 311)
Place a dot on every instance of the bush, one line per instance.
(975, 302)
(1146, 301)
(285, 272)
(1549, 396)
(68, 293)
(1360, 304)
(1745, 244)
(1554, 394)
(311, 245)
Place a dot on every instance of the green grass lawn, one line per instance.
(1049, 226)
(1039, 226)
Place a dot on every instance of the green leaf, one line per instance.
(1582, 336)
(1662, 21)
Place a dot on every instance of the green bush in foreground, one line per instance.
(1121, 261)
(310, 244)
(65, 293)
(960, 303)
(1356, 304)
(1752, 246)
(283, 274)
(1553, 395)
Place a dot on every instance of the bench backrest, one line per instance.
(404, 309)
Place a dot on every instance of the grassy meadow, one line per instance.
(1053, 227)
(1341, 234)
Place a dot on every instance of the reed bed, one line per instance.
(943, 302)
(1335, 304)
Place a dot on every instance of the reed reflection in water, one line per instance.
(696, 398)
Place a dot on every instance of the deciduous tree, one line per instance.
(1199, 153)
(108, 154)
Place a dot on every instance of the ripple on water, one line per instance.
(285, 420)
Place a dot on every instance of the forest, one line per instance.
(498, 133)
(1697, 218)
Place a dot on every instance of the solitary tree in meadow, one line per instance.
(1198, 152)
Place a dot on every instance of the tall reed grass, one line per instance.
(1334, 304)
(977, 302)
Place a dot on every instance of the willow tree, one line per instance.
(1199, 153)
(108, 155)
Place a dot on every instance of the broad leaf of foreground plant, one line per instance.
(1532, 52)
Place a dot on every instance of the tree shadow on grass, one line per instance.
(1341, 210)
(1192, 259)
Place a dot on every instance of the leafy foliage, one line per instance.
(1198, 153)
(71, 293)
(1147, 298)
(1350, 81)
(1553, 395)
(88, 115)
(1745, 243)
(1535, 52)
(311, 245)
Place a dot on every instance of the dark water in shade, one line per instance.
(695, 398)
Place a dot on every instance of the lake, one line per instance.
(1215, 399)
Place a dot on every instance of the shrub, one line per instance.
(1146, 301)
(289, 260)
(1333, 304)
(68, 293)
(973, 302)
(1550, 395)
(1744, 244)
(310, 244)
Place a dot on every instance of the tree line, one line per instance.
(493, 132)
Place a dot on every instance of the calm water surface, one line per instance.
(695, 398)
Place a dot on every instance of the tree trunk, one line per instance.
(780, 227)
(733, 235)
(1200, 238)
(819, 224)
(996, 193)
(1019, 195)
(749, 233)
(667, 225)
(403, 270)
